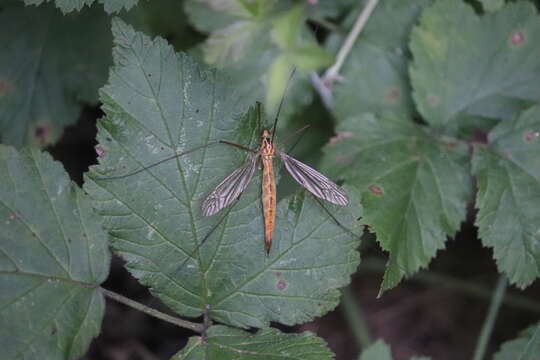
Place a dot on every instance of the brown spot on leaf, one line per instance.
(12, 217)
(377, 190)
(433, 100)
(529, 136)
(281, 285)
(4, 87)
(341, 159)
(393, 96)
(100, 151)
(41, 133)
(340, 137)
(517, 38)
(278, 273)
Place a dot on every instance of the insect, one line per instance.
(234, 184)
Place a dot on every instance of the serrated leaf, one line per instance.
(45, 75)
(158, 102)
(465, 63)
(225, 343)
(53, 256)
(375, 74)
(525, 347)
(414, 188)
(379, 350)
(67, 6)
(508, 176)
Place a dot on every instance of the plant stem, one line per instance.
(489, 322)
(153, 312)
(355, 319)
(332, 72)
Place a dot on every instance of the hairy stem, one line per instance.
(489, 322)
(153, 312)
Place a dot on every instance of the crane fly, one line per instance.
(232, 186)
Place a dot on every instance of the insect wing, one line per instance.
(230, 188)
(315, 182)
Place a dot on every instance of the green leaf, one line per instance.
(492, 5)
(158, 103)
(309, 57)
(207, 18)
(464, 63)
(286, 28)
(508, 176)
(225, 343)
(248, 57)
(278, 75)
(525, 347)
(379, 350)
(229, 44)
(414, 188)
(53, 256)
(45, 75)
(375, 74)
(71, 5)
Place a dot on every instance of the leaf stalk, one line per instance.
(199, 328)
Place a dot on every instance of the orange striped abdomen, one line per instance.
(269, 200)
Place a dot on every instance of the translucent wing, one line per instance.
(315, 182)
(230, 188)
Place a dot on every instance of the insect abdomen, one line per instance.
(269, 201)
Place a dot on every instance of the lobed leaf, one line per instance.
(226, 343)
(508, 176)
(67, 6)
(53, 256)
(375, 74)
(45, 76)
(159, 103)
(465, 63)
(414, 188)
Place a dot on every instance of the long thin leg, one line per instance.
(178, 155)
(335, 219)
(207, 236)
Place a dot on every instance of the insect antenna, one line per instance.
(281, 103)
(144, 168)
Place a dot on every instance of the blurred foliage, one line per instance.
(432, 98)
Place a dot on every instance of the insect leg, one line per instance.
(335, 219)
(191, 255)
(178, 155)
